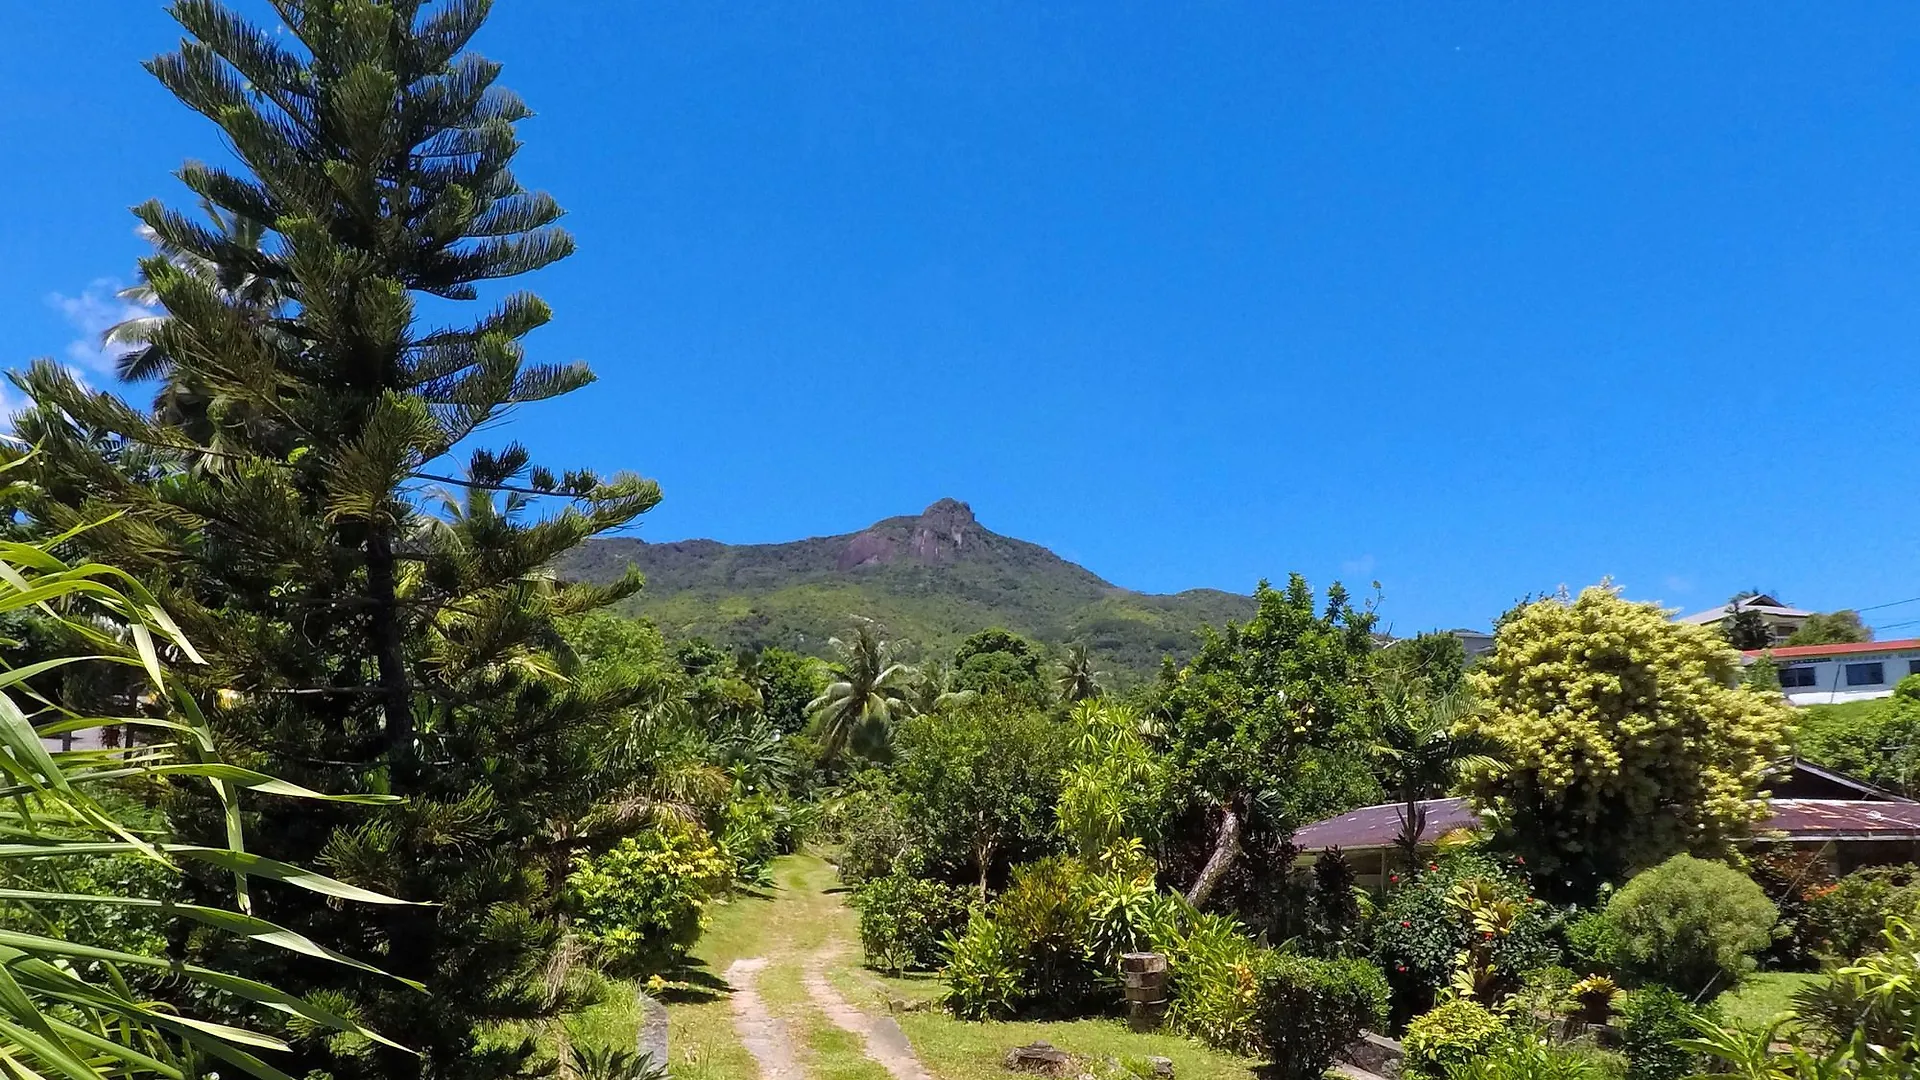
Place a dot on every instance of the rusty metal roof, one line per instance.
(1842, 819)
(1792, 819)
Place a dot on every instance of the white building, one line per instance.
(1780, 618)
(1827, 674)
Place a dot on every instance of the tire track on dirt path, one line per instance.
(884, 1040)
(762, 1033)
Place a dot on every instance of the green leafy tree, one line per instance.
(978, 785)
(1831, 628)
(867, 694)
(1623, 738)
(361, 634)
(1257, 702)
(1435, 662)
(1000, 663)
(786, 682)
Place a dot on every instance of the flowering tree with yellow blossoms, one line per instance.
(1620, 739)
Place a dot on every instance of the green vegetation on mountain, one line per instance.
(931, 579)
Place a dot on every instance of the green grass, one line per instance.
(1761, 998)
(794, 921)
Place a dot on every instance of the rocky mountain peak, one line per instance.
(938, 535)
(948, 516)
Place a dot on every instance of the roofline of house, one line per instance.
(1846, 648)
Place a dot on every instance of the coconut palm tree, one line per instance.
(1078, 678)
(1419, 752)
(869, 691)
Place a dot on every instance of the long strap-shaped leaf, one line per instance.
(232, 922)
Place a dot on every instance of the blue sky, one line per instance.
(1474, 299)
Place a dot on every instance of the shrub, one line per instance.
(872, 830)
(905, 921)
(1691, 924)
(641, 905)
(1308, 1010)
(1214, 983)
(750, 836)
(1532, 1058)
(1877, 996)
(1593, 942)
(1845, 919)
(1046, 913)
(1452, 1033)
(984, 971)
(1653, 1017)
(1126, 913)
(1420, 935)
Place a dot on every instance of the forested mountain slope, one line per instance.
(930, 578)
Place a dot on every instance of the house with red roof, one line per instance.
(1834, 820)
(1829, 674)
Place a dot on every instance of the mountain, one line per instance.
(931, 579)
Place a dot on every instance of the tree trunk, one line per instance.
(983, 852)
(387, 649)
(1226, 846)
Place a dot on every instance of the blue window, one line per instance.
(1872, 674)
(1796, 677)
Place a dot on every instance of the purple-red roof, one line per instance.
(1376, 826)
(1791, 819)
(1842, 819)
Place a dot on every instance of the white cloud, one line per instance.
(97, 309)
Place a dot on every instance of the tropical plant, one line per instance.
(1420, 749)
(1623, 738)
(1690, 923)
(985, 971)
(1428, 931)
(867, 693)
(1112, 790)
(71, 1008)
(1877, 996)
(1529, 1057)
(1214, 982)
(605, 1063)
(1078, 679)
(932, 689)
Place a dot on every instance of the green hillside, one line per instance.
(931, 579)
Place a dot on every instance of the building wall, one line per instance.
(1829, 675)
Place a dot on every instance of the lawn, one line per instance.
(804, 915)
(1762, 997)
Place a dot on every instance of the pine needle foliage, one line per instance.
(376, 616)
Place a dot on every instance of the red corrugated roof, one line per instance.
(1851, 648)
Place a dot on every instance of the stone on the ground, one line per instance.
(1162, 1067)
(1039, 1057)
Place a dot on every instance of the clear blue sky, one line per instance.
(1475, 299)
